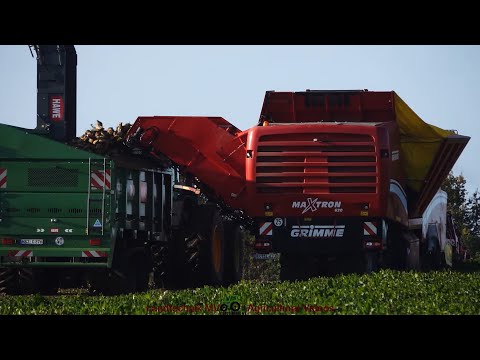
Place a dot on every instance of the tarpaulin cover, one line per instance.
(420, 143)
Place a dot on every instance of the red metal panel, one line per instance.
(328, 106)
(340, 164)
(210, 147)
(286, 164)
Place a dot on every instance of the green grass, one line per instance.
(385, 292)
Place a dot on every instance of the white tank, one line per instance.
(434, 218)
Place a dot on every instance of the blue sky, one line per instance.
(118, 83)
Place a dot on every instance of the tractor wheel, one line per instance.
(212, 245)
(179, 261)
(159, 258)
(142, 271)
(234, 252)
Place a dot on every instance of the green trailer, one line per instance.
(69, 217)
(116, 223)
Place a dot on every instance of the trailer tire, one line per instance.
(234, 252)
(122, 279)
(8, 281)
(46, 281)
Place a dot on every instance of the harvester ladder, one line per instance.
(103, 190)
(95, 166)
(89, 185)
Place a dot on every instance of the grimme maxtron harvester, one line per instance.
(333, 180)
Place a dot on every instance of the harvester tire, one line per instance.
(142, 266)
(177, 260)
(234, 253)
(180, 260)
(212, 245)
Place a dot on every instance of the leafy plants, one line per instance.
(384, 292)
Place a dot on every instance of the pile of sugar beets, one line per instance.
(103, 141)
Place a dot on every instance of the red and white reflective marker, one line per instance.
(94, 254)
(3, 178)
(98, 181)
(21, 253)
(266, 229)
(369, 228)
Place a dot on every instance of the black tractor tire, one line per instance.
(212, 246)
(8, 281)
(176, 262)
(234, 253)
(143, 266)
(182, 260)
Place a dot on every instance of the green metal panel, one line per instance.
(46, 176)
(49, 194)
(57, 252)
(58, 264)
(11, 226)
(18, 143)
(37, 205)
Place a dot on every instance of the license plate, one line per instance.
(31, 241)
(265, 256)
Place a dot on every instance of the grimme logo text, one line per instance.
(313, 231)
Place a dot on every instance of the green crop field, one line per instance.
(384, 292)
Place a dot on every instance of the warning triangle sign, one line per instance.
(97, 224)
